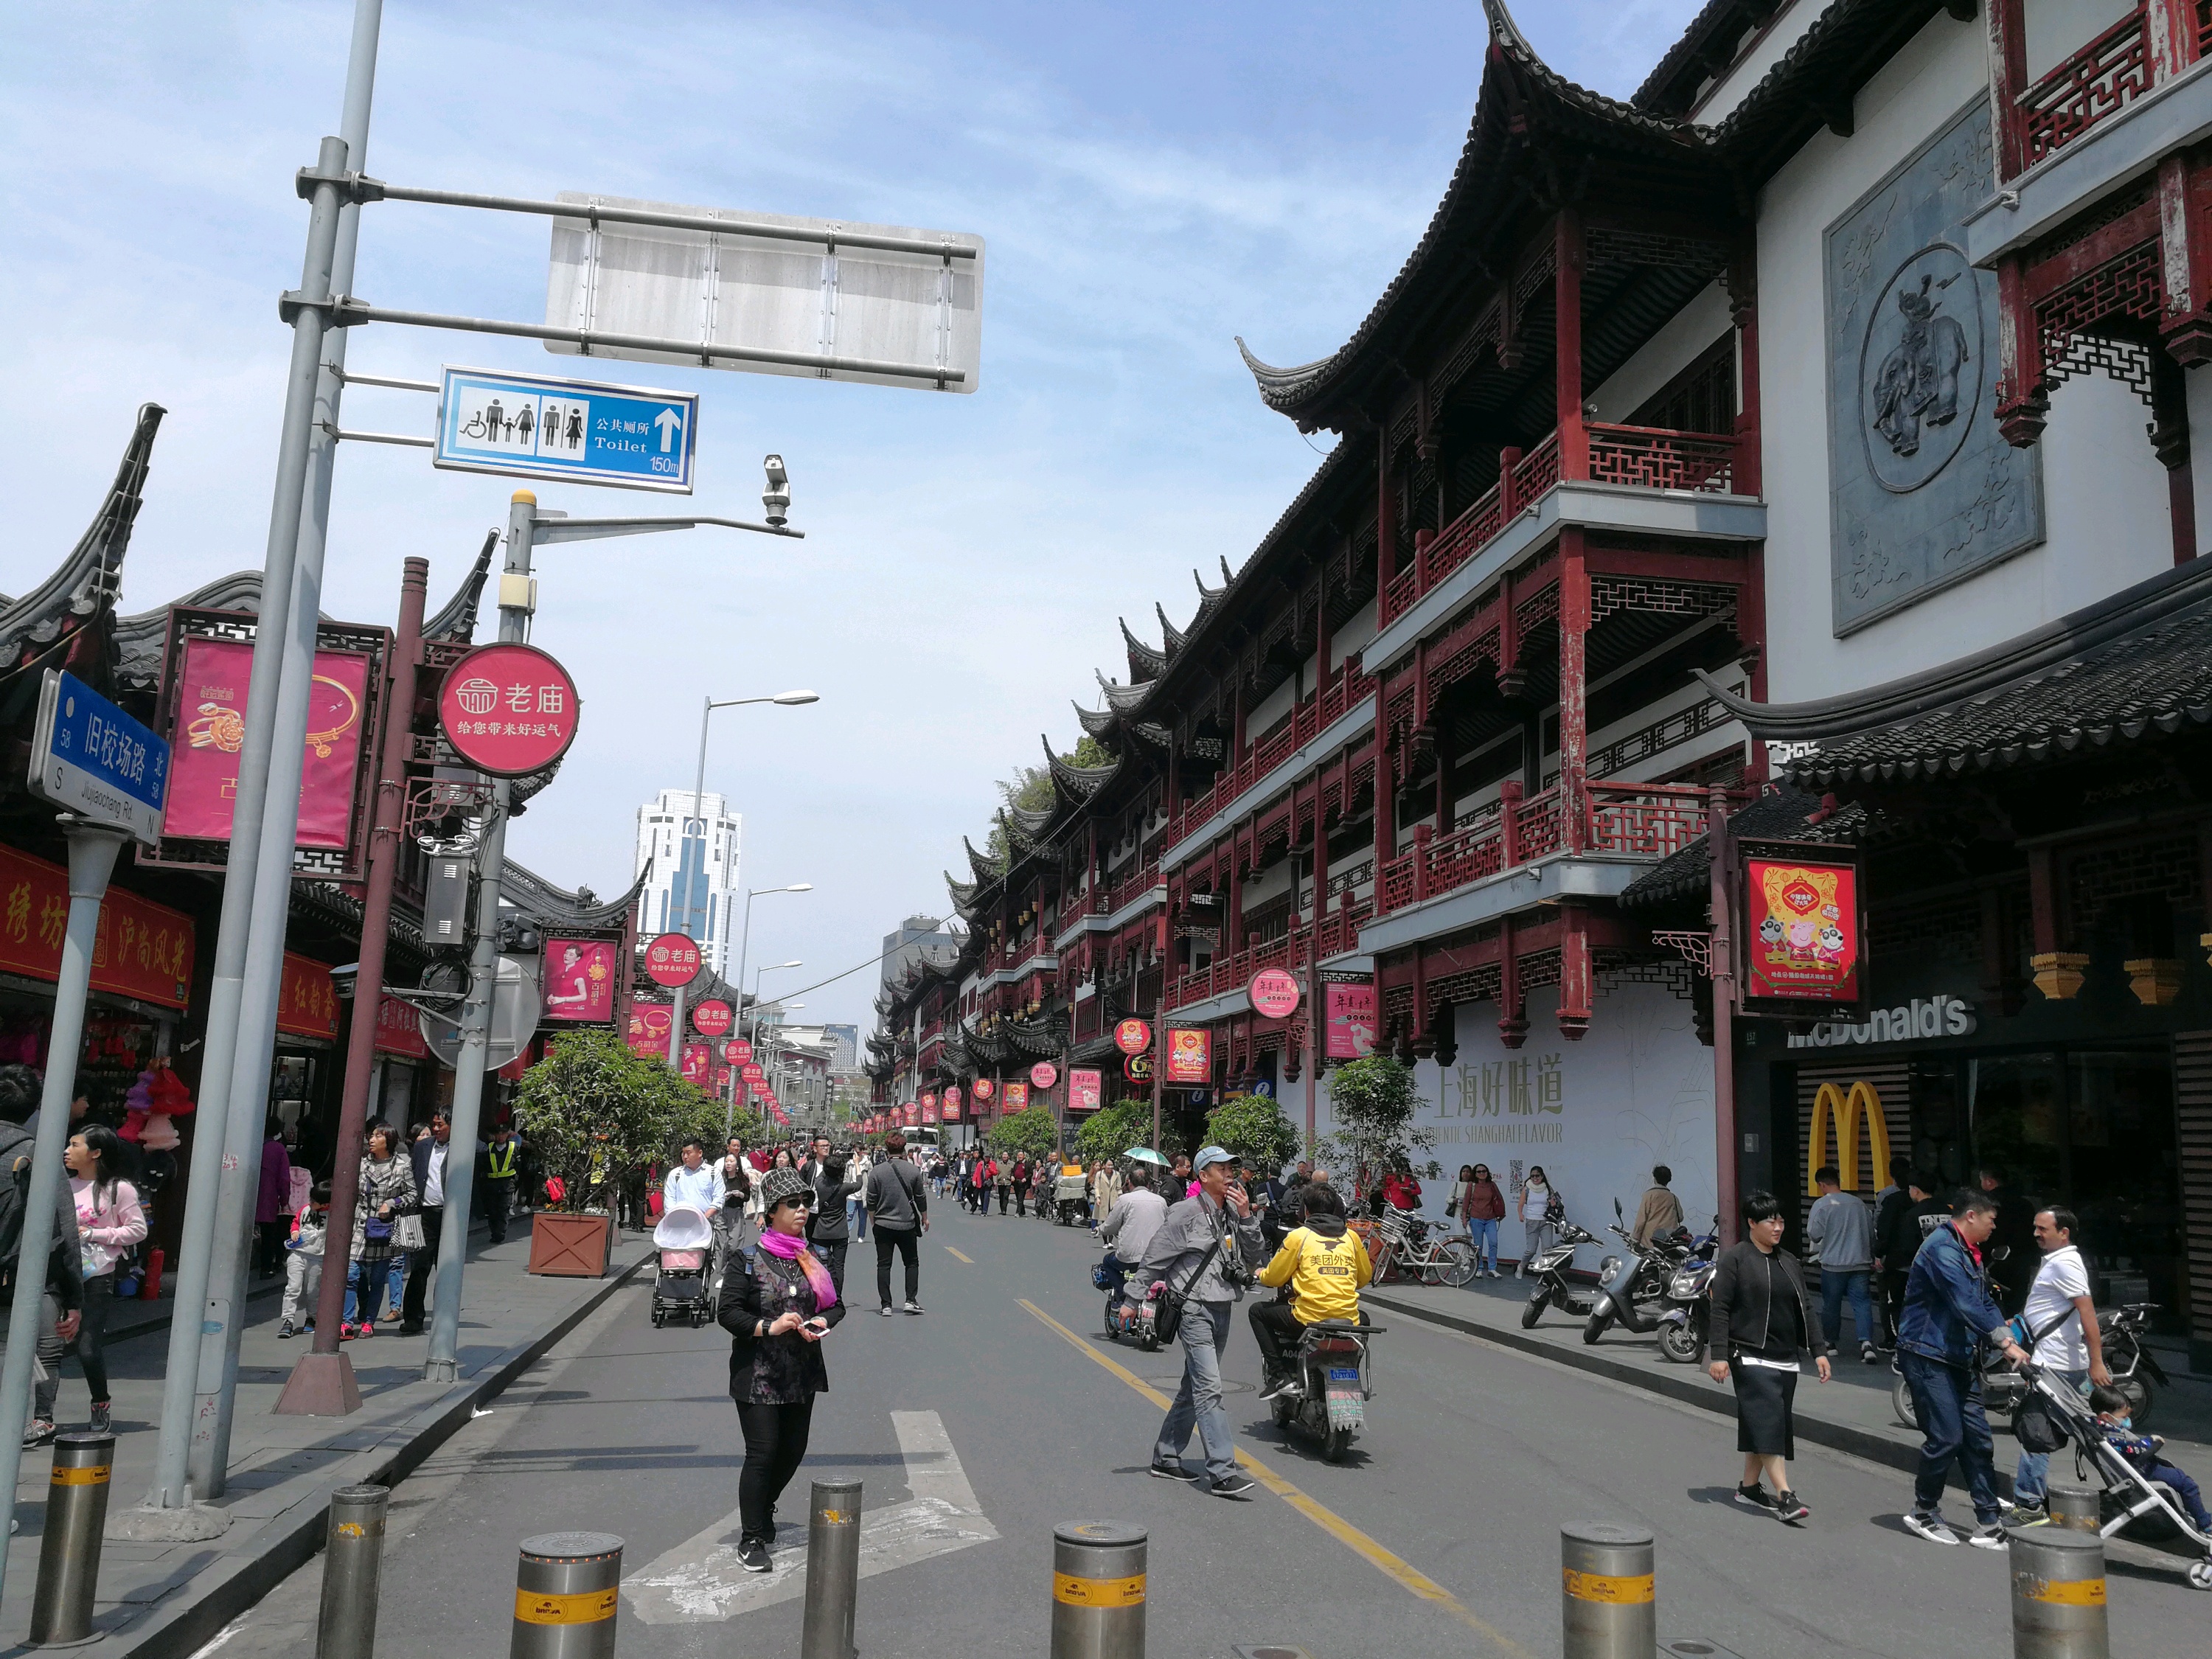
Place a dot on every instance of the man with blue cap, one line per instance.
(1205, 1251)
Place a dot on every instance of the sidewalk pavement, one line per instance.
(165, 1601)
(1851, 1414)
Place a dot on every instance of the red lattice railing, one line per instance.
(1308, 721)
(1129, 887)
(2101, 79)
(1654, 820)
(1233, 972)
(1537, 471)
(1653, 459)
(1541, 823)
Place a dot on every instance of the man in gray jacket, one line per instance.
(1207, 1247)
(1135, 1218)
(1840, 1230)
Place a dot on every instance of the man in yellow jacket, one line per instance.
(1325, 1264)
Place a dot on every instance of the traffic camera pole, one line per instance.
(91, 850)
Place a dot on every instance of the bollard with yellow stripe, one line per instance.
(1608, 1609)
(566, 1587)
(69, 1547)
(1098, 1590)
(2058, 1595)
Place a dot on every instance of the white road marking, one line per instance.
(699, 1580)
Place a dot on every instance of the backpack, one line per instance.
(2036, 1427)
(16, 1145)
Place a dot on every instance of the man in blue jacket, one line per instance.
(1949, 1314)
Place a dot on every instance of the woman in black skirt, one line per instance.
(1762, 1327)
(777, 1304)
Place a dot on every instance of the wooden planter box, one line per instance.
(570, 1246)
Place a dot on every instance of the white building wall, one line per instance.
(2105, 494)
(660, 832)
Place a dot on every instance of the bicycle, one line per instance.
(1449, 1261)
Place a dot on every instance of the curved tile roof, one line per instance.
(86, 581)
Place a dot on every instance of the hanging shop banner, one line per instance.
(1273, 993)
(737, 1051)
(1083, 1090)
(649, 1023)
(952, 1104)
(142, 949)
(1190, 1055)
(1803, 933)
(697, 1060)
(672, 959)
(398, 1032)
(912, 1115)
(1044, 1074)
(1138, 1068)
(712, 1017)
(929, 1114)
(1351, 1026)
(983, 1087)
(1015, 1098)
(211, 730)
(580, 981)
(721, 1079)
(927, 1102)
(1133, 1036)
(508, 709)
(307, 1000)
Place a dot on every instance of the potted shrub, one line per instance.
(593, 1112)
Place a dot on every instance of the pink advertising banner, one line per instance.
(1351, 1025)
(1083, 1087)
(211, 730)
(580, 979)
(649, 1023)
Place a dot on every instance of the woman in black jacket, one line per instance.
(1762, 1323)
(777, 1304)
(832, 1229)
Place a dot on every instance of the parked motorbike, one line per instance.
(1634, 1294)
(1333, 1387)
(2135, 1371)
(1553, 1288)
(1689, 1300)
(1128, 1320)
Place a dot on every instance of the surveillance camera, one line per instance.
(777, 497)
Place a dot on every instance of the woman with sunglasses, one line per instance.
(1482, 1207)
(777, 1304)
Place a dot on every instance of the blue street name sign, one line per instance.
(89, 757)
(532, 426)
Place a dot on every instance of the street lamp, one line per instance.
(745, 941)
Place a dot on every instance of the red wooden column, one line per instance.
(1574, 710)
(1386, 519)
(1575, 985)
(1386, 818)
(2009, 60)
(1232, 920)
(2171, 26)
(1567, 290)
(1324, 637)
(1743, 311)
(1512, 1014)
(2186, 246)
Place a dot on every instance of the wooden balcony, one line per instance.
(2101, 80)
(1308, 721)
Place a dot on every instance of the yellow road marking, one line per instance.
(969, 1259)
(1390, 1565)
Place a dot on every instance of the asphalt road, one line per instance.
(1440, 1533)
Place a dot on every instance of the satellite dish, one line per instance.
(515, 1004)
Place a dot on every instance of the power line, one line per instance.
(939, 922)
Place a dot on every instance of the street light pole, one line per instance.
(744, 940)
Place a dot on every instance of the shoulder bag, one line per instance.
(1169, 1319)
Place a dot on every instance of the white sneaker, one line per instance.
(1930, 1526)
(1989, 1537)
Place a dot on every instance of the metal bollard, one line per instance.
(1098, 1590)
(2058, 1595)
(2080, 1508)
(69, 1549)
(1607, 1609)
(833, 1570)
(352, 1570)
(566, 1586)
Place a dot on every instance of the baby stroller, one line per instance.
(2131, 1499)
(685, 1240)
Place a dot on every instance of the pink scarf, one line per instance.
(792, 1247)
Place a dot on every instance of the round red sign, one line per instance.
(508, 709)
(672, 959)
(1133, 1036)
(1138, 1068)
(737, 1051)
(1044, 1074)
(1275, 994)
(752, 1073)
(712, 1017)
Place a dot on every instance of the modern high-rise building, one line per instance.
(693, 852)
(847, 1039)
(919, 939)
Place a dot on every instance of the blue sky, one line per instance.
(1151, 180)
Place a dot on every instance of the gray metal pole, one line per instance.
(91, 860)
(2058, 1595)
(833, 1570)
(68, 1548)
(566, 1586)
(442, 1363)
(1098, 1590)
(1607, 1607)
(353, 1573)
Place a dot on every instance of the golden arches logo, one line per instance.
(1832, 1105)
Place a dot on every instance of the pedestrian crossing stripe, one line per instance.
(2061, 1592)
(1098, 1592)
(586, 1608)
(1634, 1591)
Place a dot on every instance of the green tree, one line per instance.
(1115, 1130)
(700, 1114)
(1030, 789)
(594, 1112)
(1029, 1134)
(1254, 1128)
(1373, 1101)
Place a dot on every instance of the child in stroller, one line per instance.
(684, 1239)
(2145, 1453)
(2138, 1484)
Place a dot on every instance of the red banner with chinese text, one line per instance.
(142, 950)
(1801, 939)
(306, 1001)
(211, 730)
(399, 1030)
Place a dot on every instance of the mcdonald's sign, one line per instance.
(1832, 1105)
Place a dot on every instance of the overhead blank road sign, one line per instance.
(774, 294)
(89, 757)
(535, 426)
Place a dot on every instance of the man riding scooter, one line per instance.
(1129, 1226)
(1324, 1264)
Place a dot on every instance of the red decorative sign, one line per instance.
(982, 1088)
(712, 1017)
(1190, 1056)
(1085, 1090)
(1801, 929)
(306, 1001)
(142, 949)
(737, 1051)
(1138, 1068)
(1351, 1023)
(929, 1114)
(649, 1023)
(721, 1079)
(210, 731)
(752, 1073)
(912, 1115)
(580, 981)
(672, 959)
(952, 1104)
(1275, 994)
(1016, 1098)
(697, 1060)
(1133, 1036)
(508, 709)
(1044, 1074)
(399, 1030)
